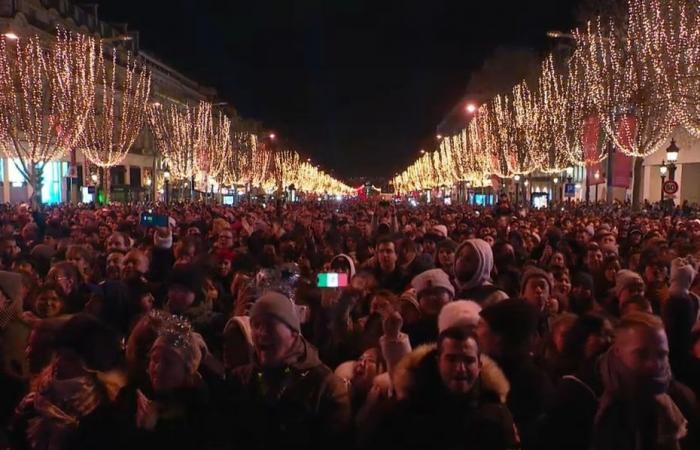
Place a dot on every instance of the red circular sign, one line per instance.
(670, 187)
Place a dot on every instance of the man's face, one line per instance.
(594, 259)
(536, 292)
(115, 265)
(467, 263)
(225, 239)
(116, 243)
(386, 255)
(431, 301)
(224, 267)
(644, 355)
(446, 258)
(459, 365)
(272, 340)
(607, 240)
(634, 288)
(135, 264)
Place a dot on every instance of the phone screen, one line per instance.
(154, 220)
(332, 280)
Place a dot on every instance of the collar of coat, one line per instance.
(406, 376)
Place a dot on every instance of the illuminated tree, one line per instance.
(118, 113)
(46, 93)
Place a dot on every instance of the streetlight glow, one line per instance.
(11, 36)
(272, 136)
(470, 108)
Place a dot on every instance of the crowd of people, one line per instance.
(459, 327)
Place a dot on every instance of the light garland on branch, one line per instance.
(46, 94)
(119, 111)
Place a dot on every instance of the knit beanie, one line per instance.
(535, 272)
(279, 306)
(514, 320)
(625, 278)
(430, 279)
(459, 313)
(683, 273)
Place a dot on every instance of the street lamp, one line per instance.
(672, 157)
(663, 170)
(272, 136)
(11, 36)
(470, 108)
(439, 136)
(569, 173)
(516, 178)
(556, 188)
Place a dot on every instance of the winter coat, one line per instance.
(184, 422)
(679, 316)
(303, 405)
(425, 415)
(570, 418)
(530, 392)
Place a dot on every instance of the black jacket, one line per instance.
(303, 405)
(428, 416)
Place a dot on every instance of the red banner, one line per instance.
(591, 142)
(625, 128)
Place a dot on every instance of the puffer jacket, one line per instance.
(302, 405)
(423, 414)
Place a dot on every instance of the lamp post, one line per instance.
(556, 188)
(663, 170)
(516, 178)
(166, 181)
(597, 178)
(672, 157)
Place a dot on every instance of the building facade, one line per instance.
(136, 177)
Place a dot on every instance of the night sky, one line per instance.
(357, 84)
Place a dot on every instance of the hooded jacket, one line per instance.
(479, 288)
(302, 405)
(426, 415)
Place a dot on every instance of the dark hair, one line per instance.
(575, 341)
(384, 239)
(458, 334)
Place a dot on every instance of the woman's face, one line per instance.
(180, 298)
(380, 305)
(166, 369)
(563, 286)
(48, 304)
(611, 271)
(558, 260)
(599, 342)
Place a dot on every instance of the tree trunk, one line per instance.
(637, 186)
(35, 181)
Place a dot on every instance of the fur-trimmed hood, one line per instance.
(408, 376)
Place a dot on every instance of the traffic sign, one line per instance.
(569, 189)
(670, 187)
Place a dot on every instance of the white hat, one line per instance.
(440, 229)
(459, 313)
(432, 278)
